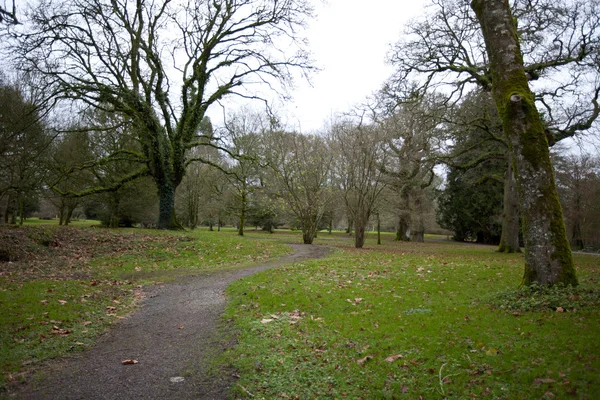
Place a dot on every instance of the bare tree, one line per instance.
(161, 64)
(300, 166)
(359, 149)
(9, 15)
(548, 255)
(244, 131)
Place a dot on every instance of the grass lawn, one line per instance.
(63, 286)
(54, 221)
(410, 320)
(400, 320)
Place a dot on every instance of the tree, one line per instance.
(478, 143)
(548, 255)
(410, 131)
(559, 41)
(24, 140)
(244, 133)
(470, 206)
(161, 64)
(360, 153)
(300, 166)
(67, 173)
(578, 180)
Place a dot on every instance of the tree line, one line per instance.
(485, 88)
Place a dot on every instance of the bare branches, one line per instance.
(444, 52)
(9, 16)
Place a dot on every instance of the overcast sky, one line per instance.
(349, 40)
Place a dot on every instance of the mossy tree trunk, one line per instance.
(548, 258)
(509, 241)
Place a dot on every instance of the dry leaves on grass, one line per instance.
(394, 358)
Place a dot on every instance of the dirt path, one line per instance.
(172, 361)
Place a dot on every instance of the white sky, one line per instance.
(349, 41)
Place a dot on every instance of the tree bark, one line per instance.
(548, 258)
(403, 232)
(359, 235)
(166, 205)
(509, 241)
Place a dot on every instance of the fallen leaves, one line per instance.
(129, 362)
(58, 331)
(364, 360)
(394, 358)
(356, 301)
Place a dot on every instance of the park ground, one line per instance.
(426, 320)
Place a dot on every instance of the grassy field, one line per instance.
(402, 320)
(410, 320)
(60, 287)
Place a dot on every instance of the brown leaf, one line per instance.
(517, 314)
(180, 327)
(363, 360)
(404, 389)
(560, 309)
(394, 358)
(129, 362)
(86, 323)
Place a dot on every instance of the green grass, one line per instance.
(54, 221)
(324, 329)
(66, 285)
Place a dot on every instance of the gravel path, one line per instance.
(171, 361)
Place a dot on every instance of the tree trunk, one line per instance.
(509, 241)
(418, 234)
(548, 257)
(61, 211)
(70, 210)
(242, 222)
(21, 210)
(378, 229)
(402, 234)
(166, 204)
(360, 224)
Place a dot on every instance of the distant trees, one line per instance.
(24, 141)
(578, 180)
(118, 56)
